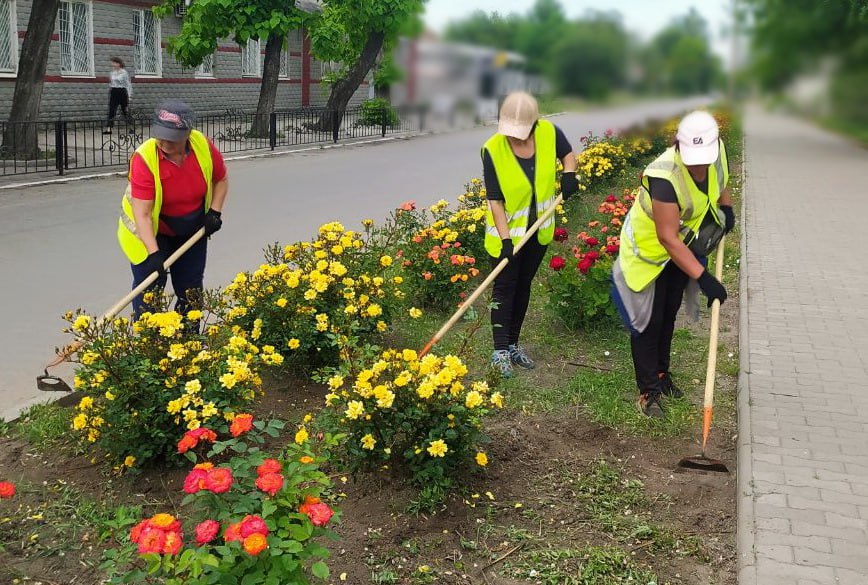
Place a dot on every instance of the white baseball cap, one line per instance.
(698, 138)
(518, 114)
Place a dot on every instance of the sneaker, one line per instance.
(520, 358)
(649, 404)
(668, 387)
(501, 363)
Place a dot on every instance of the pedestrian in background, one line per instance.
(120, 94)
(682, 211)
(520, 171)
(177, 185)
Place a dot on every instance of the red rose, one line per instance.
(585, 265)
(207, 531)
(253, 525)
(136, 532)
(269, 466)
(611, 199)
(173, 543)
(7, 490)
(593, 255)
(270, 483)
(612, 248)
(556, 263)
(592, 241)
(195, 481)
(218, 480)
(241, 424)
(203, 434)
(561, 235)
(319, 513)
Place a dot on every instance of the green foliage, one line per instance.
(587, 566)
(590, 59)
(45, 426)
(378, 112)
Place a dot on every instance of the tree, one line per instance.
(679, 58)
(488, 30)
(354, 33)
(207, 21)
(19, 139)
(591, 58)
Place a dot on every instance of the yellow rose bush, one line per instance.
(146, 383)
(421, 415)
(318, 301)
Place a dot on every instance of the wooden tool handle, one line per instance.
(711, 368)
(468, 302)
(113, 311)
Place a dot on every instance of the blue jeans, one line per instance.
(188, 272)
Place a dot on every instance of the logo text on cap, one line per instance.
(172, 118)
(697, 141)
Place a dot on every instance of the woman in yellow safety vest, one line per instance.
(177, 185)
(683, 209)
(519, 168)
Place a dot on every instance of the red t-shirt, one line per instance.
(183, 185)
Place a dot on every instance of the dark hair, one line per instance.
(117, 60)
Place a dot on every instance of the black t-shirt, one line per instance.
(663, 191)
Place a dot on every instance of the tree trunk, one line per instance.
(344, 89)
(19, 137)
(268, 89)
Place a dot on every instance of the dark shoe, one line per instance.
(668, 387)
(520, 358)
(649, 404)
(501, 363)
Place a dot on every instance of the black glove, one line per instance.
(711, 287)
(569, 184)
(729, 214)
(506, 249)
(154, 263)
(213, 223)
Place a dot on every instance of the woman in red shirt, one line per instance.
(184, 209)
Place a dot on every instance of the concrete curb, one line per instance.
(745, 525)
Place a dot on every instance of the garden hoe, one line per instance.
(701, 462)
(51, 383)
(490, 278)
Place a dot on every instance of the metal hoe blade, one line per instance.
(49, 383)
(703, 463)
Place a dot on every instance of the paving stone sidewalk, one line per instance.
(803, 390)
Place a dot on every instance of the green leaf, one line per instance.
(320, 570)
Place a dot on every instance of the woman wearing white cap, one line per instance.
(519, 168)
(682, 211)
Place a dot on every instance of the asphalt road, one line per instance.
(58, 249)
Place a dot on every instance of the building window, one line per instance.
(8, 38)
(284, 63)
(206, 68)
(146, 37)
(251, 63)
(76, 38)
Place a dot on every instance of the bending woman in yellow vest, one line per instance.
(519, 168)
(681, 212)
(177, 185)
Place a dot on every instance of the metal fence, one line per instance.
(69, 145)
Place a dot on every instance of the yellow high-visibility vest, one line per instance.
(517, 189)
(642, 256)
(128, 237)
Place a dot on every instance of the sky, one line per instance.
(643, 17)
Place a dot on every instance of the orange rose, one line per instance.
(306, 459)
(269, 466)
(186, 443)
(165, 522)
(173, 543)
(219, 480)
(270, 483)
(233, 532)
(255, 544)
(152, 540)
(241, 424)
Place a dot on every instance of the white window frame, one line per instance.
(245, 58)
(285, 71)
(13, 40)
(208, 73)
(158, 39)
(90, 72)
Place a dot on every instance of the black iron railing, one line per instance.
(67, 145)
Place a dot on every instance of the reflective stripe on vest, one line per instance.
(642, 256)
(128, 238)
(517, 189)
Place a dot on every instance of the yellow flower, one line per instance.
(398, 279)
(374, 310)
(368, 442)
(193, 386)
(385, 398)
(415, 313)
(301, 436)
(426, 389)
(497, 399)
(293, 343)
(81, 323)
(437, 448)
(109, 396)
(281, 302)
(307, 418)
(473, 399)
(129, 461)
(381, 326)
(481, 459)
(367, 222)
(79, 422)
(209, 410)
(355, 409)
(194, 315)
(86, 402)
(409, 355)
(88, 358)
(310, 294)
(228, 381)
(386, 260)
(336, 382)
